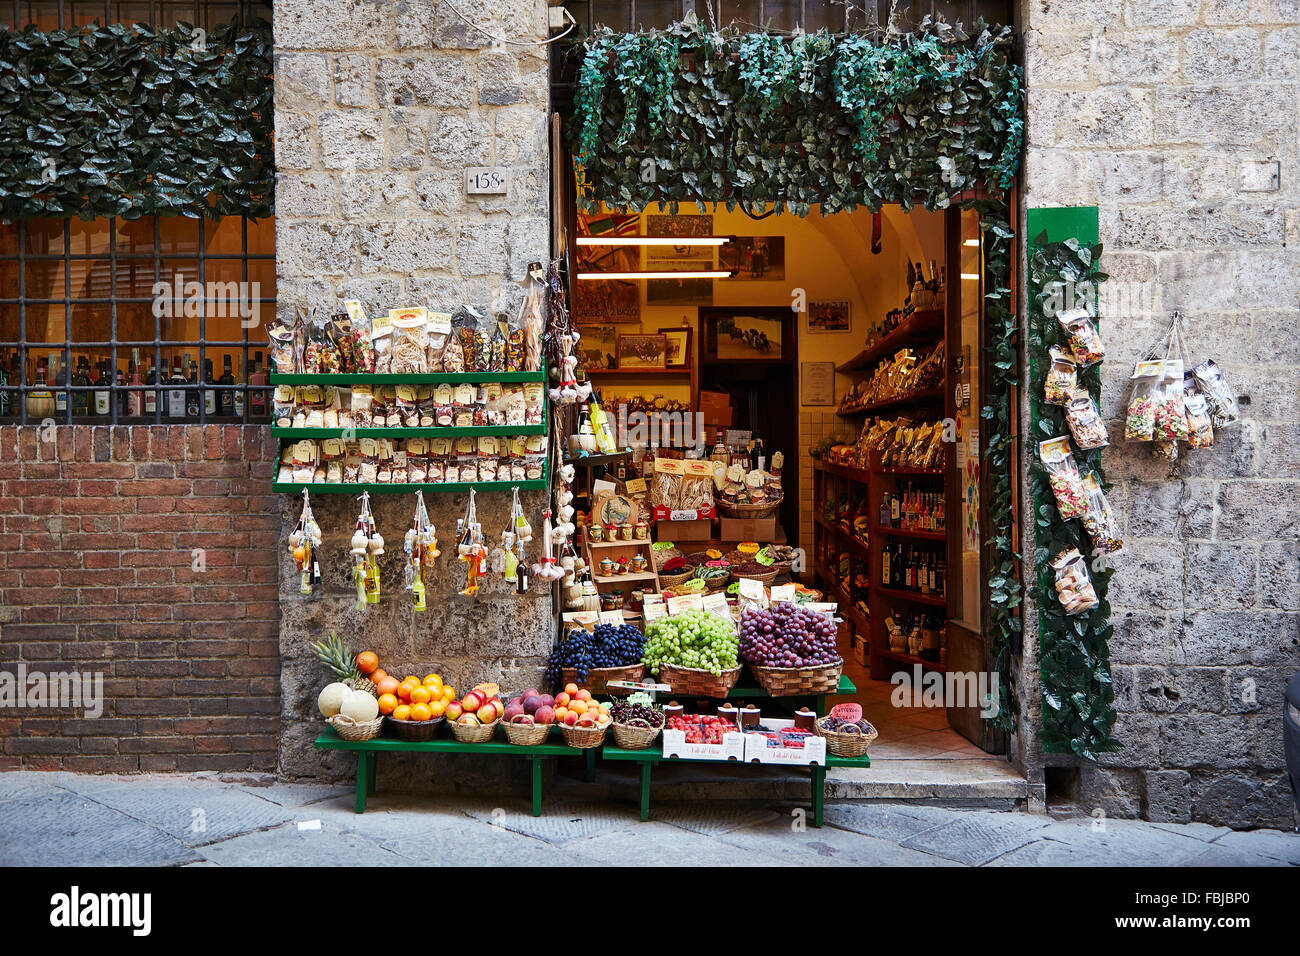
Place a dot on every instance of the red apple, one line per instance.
(514, 709)
(530, 704)
(453, 711)
(473, 701)
(486, 714)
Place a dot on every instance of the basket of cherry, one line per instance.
(637, 721)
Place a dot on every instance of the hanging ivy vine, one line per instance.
(933, 119)
(129, 120)
(1074, 657)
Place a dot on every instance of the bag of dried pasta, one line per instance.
(1099, 520)
(410, 341)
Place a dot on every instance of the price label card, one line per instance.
(753, 590)
(635, 486)
(685, 602)
(783, 592)
(826, 607)
(585, 619)
(715, 602)
(611, 617)
(655, 611)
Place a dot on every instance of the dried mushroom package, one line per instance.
(1062, 377)
(1063, 476)
(1084, 419)
(1099, 520)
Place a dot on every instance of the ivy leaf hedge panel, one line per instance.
(695, 115)
(130, 121)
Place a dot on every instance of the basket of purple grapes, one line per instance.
(791, 649)
(637, 721)
(594, 658)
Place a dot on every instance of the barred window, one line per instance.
(785, 15)
(152, 320)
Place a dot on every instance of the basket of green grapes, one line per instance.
(695, 653)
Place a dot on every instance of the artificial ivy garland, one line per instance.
(129, 121)
(932, 118)
(1074, 657)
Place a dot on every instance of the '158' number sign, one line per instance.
(485, 180)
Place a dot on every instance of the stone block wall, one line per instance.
(379, 108)
(144, 555)
(1166, 115)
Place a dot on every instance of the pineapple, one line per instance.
(342, 663)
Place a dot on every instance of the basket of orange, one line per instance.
(413, 709)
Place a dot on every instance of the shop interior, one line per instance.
(850, 344)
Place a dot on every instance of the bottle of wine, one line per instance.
(885, 576)
(103, 391)
(192, 396)
(81, 377)
(209, 394)
(226, 396)
(884, 509)
(135, 397)
(175, 395)
(257, 379)
(150, 396)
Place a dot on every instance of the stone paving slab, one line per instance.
(56, 827)
(1124, 842)
(289, 846)
(977, 837)
(465, 840)
(661, 844)
(1284, 847)
(559, 822)
(300, 794)
(886, 821)
(713, 819)
(829, 846)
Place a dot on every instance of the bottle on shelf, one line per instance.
(103, 390)
(135, 397)
(886, 574)
(81, 378)
(226, 396)
(209, 393)
(59, 377)
(149, 398)
(257, 379)
(192, 396)
(884, 509)
(175, 394)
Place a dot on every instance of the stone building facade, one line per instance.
(1172, 117)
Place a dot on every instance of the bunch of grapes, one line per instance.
(693, 639)
(787, 635)
(607, 646)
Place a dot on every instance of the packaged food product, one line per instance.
(439, 332)
(283, 405)
(408, 406)
(1219, 396)
(1200, 429)
(1062, 377)
(464, 324)
(1085, 342)
(1084, 419)
(282, 347)
(381, 342)
(360, 330)
(1140, 421)
(1170, 413)
(1073, 582)
(1099, 520)
(321, 351)
(410, 346)
(1063, 476)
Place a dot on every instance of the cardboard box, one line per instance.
(762, 530)
(684, 531)
(757, 751)
(715, 407)
(731, 748)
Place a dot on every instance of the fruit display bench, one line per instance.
(648, 759)
(368, 750)
(745, 690)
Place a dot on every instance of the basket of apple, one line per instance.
(474, 718)
(582, 720)
(528, 718)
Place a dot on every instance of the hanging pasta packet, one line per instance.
(1099, 520)
(1063, 476)
(1084, 340)
(1140, 420)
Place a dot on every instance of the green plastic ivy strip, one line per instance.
(1074, 658)
(130, 121)
(695, 115)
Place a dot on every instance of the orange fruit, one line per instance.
(404, 691)
(437, 707)
(386, 685)
(367, 661)
(448, 692)
(402, 711)
(387, 703)
(378, 674)
(420, 712)
(420, 695)
(432, 680)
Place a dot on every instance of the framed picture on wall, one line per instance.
(754, 258)
(678, 353)
(761, 334)
(831, 315)
(642, 351)
(598, 347)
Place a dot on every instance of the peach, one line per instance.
(584, 694)
(560, 714)
(571, 718)
(570, 689)
(561, 699)
(579, 707)
(545, 715)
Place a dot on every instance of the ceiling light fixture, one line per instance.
(712, 274)
(653, 240)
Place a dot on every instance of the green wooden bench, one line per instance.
(368, 750)
(653, 756)
(754, 692)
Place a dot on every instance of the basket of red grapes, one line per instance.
(791, 649)
(637, 721)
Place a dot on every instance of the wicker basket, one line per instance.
(697, 682)
(764, 510)
(598, 677)
(584, 738)
(474, 734)
(767, 577)
(672, 580)
(355, 730)
(632, 737)
(846, 745)
(793, 681)
(413, 730)
(526, 735)
(718, 582)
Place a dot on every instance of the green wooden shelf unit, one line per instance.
(469, 431)
(445, 487)
(373, 378)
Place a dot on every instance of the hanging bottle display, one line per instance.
(304, 543)
(367, 546)
(470, 547)
(421, 547)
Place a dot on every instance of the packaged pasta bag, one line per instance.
(697, 485)
(283, 406)
(1170, 413)
(1073, 582)
(1062, 377)
(439, 333)
(464, 405)
(534, 401)
(464, 324)
(408, 406)
(1063, 476)
(534, 457)
(444, 412)
(1085, 342)
(487, 458)
(428, 409)
(515, 344)
(283, 353)
(518, 450)
(1084, 419)
(305, 456)
(497, 347)
(516, 405)
(453, 353)
(1200, 428)
(332, 451)
(381, 345)
(1099, 520)
(401, 467)
(352, 463)
(417, 461)
(492, 397)
(484, 326)
(387, 450)
(1140, 420)
(465, 454)
(410, 341)
(439, 453)
(1219, 396)
(360, 330)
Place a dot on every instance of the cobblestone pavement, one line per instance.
(202, 820)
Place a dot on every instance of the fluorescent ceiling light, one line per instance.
(653, 240)
(970, 275)
(720, 274)
(972, 242)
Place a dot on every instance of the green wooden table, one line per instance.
(368, 750)
(653, 756)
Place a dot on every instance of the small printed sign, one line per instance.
(486, 180)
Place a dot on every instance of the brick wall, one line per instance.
(99, 572)
(1154, 118)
